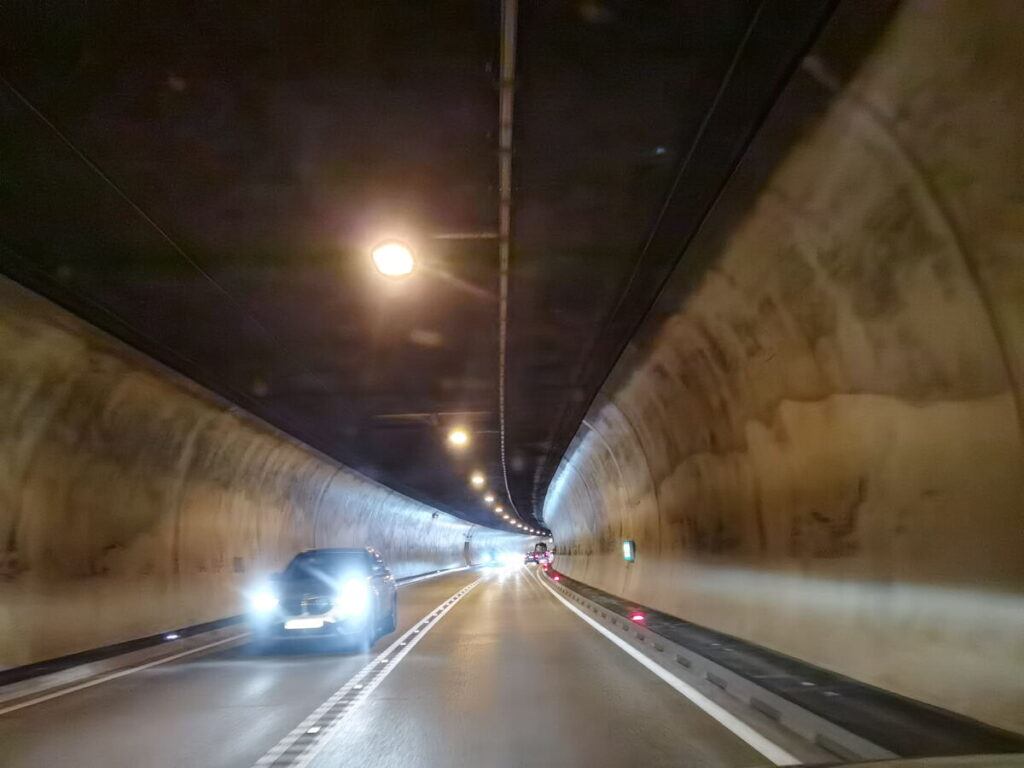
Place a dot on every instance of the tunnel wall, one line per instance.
(132, 501)
(820, 447)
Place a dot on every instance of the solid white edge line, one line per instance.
(120, 673)
(408, 639)
(762, 744)
(131, 670)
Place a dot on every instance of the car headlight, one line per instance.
(353, 598)
(263, 601)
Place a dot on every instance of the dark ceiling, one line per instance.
(204, 180)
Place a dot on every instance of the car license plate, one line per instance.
(304, 624)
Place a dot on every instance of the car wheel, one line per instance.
(259, 646)
(391, 622)
(365, 639)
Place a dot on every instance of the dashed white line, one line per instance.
(303, 743)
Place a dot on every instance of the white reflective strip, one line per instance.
(762, 744)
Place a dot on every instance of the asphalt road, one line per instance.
(508, 677)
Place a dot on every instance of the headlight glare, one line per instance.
(264, 601)
(353, 598)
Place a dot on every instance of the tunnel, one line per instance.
(662, 363)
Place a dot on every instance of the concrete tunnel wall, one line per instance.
(132, 501)
(821, 448)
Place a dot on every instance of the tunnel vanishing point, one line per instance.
(815, 439)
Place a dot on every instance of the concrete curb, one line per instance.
(24, 692)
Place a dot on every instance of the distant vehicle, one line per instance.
(541, 554)
(344, 595)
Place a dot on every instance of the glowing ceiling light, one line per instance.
(489, 498)
(499, 510)
(477, 479)
(393, 258)
(458, 437)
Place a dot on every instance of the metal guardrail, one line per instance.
(830, 715)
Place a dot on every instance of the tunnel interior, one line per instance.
(725, 299)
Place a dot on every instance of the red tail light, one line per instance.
(637, 617)
(556, 577)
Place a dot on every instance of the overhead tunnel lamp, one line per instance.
(393, 259)
(477, 480)
(458, 437)
(499, 510)
(489, 498)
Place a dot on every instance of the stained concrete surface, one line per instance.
(820, 448)
(132, 501)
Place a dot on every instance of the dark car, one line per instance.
(343, 595)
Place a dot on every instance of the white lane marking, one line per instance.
(120, 673)
(762, 744)
(434, 575)
(328, 716)
(131, 670)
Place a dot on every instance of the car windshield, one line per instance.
(311, 565)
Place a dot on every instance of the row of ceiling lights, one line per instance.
(458, 437)
(478, 481)
(395, 259)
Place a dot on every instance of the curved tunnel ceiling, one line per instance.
(205, 182)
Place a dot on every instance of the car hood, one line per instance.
(288, 588)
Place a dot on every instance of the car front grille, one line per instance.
(311, 605)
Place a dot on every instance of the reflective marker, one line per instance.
(629, 551)
(638, 617)
(171, 636)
